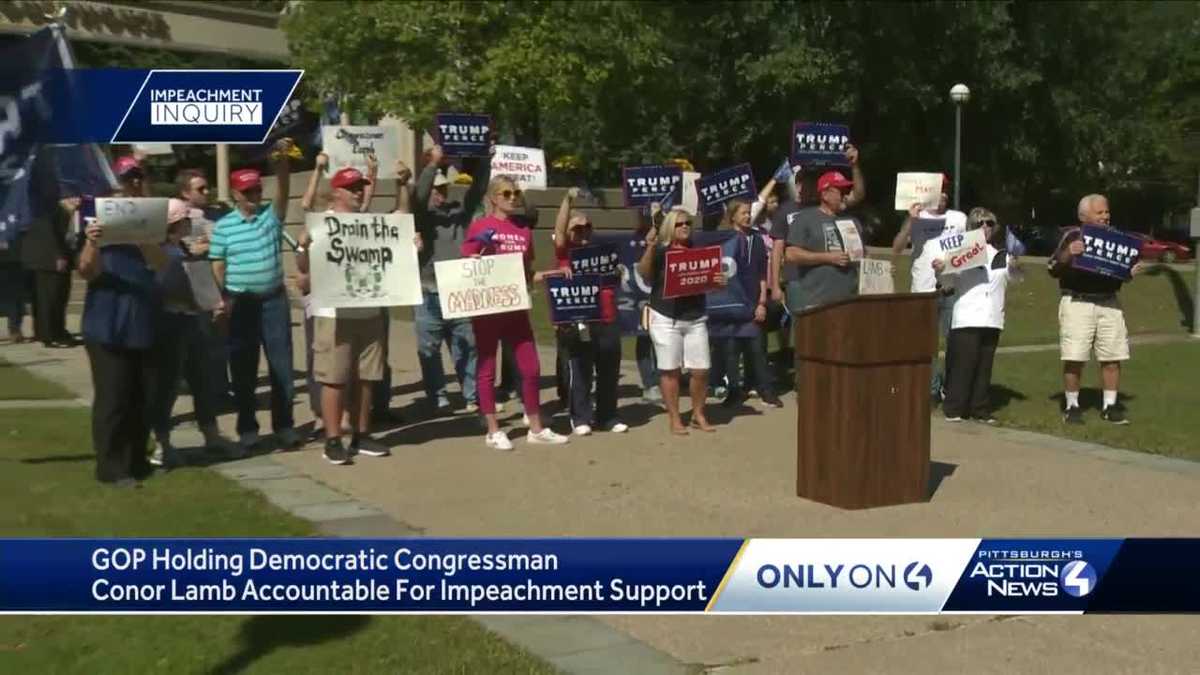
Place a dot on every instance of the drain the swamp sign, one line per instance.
(363, 260)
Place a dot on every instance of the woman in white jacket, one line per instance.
(978, 318)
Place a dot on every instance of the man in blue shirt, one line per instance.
(248, 265)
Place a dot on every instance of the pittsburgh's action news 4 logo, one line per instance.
(1020, 575)
(207, 106)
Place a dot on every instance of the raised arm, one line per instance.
(403, 191)
(283, 179)
(310, 192)
(479, 184)
(646, 263)
(89, 257)
(564, 215)
(904, 236)
(425, 181)
(859, 191)
(369, 190)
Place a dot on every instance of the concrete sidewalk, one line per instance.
(442, 481)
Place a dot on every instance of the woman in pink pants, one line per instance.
(491, 235)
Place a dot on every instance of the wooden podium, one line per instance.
(862, 388)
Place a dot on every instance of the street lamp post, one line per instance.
(960, 94)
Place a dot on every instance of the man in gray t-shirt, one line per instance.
(817, 266)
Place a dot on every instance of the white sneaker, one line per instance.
(546, 437)
(499, 406)
(525, 419)
(471, 408)
(162, 450)
(583, 430)
(617, 427)
(499, 441)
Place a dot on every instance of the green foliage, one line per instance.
(1067, 98)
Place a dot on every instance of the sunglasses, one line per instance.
(680, 223)
(987, 223)
(509, 194)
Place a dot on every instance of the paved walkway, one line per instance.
(442, 481)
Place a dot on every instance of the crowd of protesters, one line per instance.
(145, 328)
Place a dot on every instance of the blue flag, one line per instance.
(22, 77)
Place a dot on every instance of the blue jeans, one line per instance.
(182, 346)
(647, 367)
(266, 321)
(432, 331)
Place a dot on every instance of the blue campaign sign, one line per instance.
(633, 292)
(1107, 251)
(206, 106)
(645, 184)
(601, 259)
(464, 134)
(574, 300)
(819, 144)
(736, 182)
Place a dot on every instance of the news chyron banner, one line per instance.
(677, 576)
(116, 105)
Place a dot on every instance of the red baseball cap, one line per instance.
(244, 179)
(125, 164)
(348, 176)
(833, 179)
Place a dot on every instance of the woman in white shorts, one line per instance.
(677, 325)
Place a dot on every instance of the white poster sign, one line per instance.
(477, 286)
(918, 188)
(363, 260)
(153, 148)
(349, 146)
(875, 277)
(132, 220)
(963, 250)
(850, 238)
(526, 166)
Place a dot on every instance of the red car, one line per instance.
(1164, 251)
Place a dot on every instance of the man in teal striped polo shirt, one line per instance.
(248, 265)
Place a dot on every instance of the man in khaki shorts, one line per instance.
(348, 348)
(1089, 318)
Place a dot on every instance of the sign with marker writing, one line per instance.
(132, 220)
(851, 241)
(875, 277)
(363, 260)
(1107, 251)
(963, 250)
(463, 134)
(526, 166)
(733, 183)
(918, 188)
(350, 146)
(492, 284)
(819, 144)
(691, 271)
(574, 300)
(645, 184)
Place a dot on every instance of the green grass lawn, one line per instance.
(1157, 386)
(18, 383)
(47, 490)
